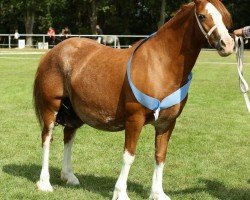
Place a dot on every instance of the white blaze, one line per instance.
(217, 18)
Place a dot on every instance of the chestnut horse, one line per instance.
(82, 82)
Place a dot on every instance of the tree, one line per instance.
(24, 11)
(93, 16)
(114, 16)
(29, 19)
(162, 13)
(240, 12)
(30, 9)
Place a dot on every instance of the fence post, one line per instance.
(115, 40)
(43, 41)
(9, 41)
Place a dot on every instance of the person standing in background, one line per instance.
(16, 37)
(67, 32)
(99, 32)
(51, 33)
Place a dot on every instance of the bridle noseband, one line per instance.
(206, 34)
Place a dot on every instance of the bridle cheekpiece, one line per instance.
(206, 34)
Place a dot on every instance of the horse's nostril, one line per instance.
(222, 44)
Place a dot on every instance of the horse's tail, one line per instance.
(37, 98)
(66, 115)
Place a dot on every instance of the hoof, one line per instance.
(120, 195)
(158, 196)
(44, 186)
(69, 178)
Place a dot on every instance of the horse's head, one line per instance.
(213, 20)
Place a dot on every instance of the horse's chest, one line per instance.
(167, 116)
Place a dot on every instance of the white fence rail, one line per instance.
(41, 40)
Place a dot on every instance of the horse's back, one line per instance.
(85, 59)
(92, 76)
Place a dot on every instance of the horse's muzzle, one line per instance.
(225, 46)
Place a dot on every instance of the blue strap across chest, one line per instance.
(151, 102)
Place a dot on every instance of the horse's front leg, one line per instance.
(161, 143)
(134, 125)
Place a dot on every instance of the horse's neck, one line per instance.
(180, 43)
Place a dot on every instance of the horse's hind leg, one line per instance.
(49, 118)
(67, 172)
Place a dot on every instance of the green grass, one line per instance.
(208, 156)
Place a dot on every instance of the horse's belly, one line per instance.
(107, 123)
(96, 92)
(108, 118)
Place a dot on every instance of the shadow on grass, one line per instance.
(218, 190)
(97, 184)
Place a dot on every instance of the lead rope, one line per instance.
(239, 44)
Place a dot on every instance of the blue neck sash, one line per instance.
(151, 102)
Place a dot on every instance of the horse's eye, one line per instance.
(202, 17)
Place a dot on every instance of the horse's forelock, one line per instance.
(226, 16)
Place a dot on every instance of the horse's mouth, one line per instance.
(224, 51)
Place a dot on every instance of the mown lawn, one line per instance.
(208, 156)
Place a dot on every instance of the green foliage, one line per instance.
(114, 16)
(240, 12)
